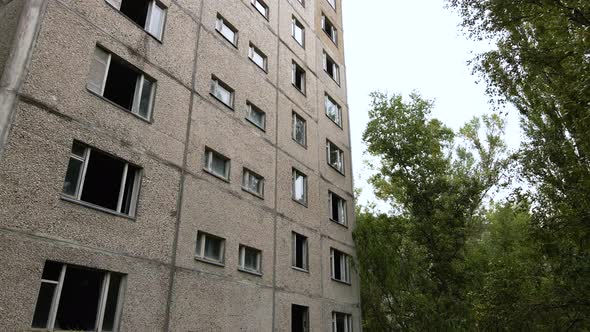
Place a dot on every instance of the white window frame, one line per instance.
(156, 31)
(347, 321)
(102, 299)
(339, 163)
(297, 117)
(333, 33)
(343, 265)
(104, 58)
(330, 101)
(209, 155)
(246, 177)
(216, 84)
(294, 178)
(305, 252)
(251, 108)
(242, 266)
(335, 68)
(252, 51)
(202, 238)
(77, 196)
(296, 24)
(341, 208)
(261, 7)
(222, 23)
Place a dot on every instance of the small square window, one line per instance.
(337, 209)
(148, 14)
(299, 318)
(261, 7)
(298, 77)
(101, 180)
(299, 187)
(227, 30)
(332, 3)
(298, 31)
(329, 29)
(341, 322)
(210, 248)
(250, 260)
(300, 252)
(299, 129)
(258, 57)
(222, 92)
(217, 164)
(331, 68)
(253, 183)
(335, 156)
(333, 110)
(340, 266)
(256, 116)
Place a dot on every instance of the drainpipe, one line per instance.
(16, 66)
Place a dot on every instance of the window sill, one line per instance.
(256, 9)
(216, 175)
(95, 207)
(299, 143)
(256, 273)
(255, 125)
(300, 91)
(253, 193)
(339, 223)
(330, 37)
(229, 41)
(300, 202)
(221, 101)
(119, 106)
(209, 261)
(257, 66)
(332, 78)
(347, 283)
(336, 169)
(336, 123)
(298, 43)
(299, 269)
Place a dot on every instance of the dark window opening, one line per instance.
(299, 77)
(120, 84)
(337, 265)
(299, 251)
(136, 10)
(299, 318)
(79, 298)
(103, 180)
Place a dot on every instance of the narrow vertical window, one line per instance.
(331, 68)
(300, 252)
(299, 318)
(298, 31)
(298, 77)
(299, 187)
(256, 116)
(340, 266)
(335, 156)
(337, 208)
(333, 110)
(329, 29)
(341, 322)
(299, 129)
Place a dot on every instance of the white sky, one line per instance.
(404, 45)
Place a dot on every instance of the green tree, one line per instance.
(542, 66)
(412, 263)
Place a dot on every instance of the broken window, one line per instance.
(299, 187)
(341, 322)
(299, 318)
(335, 156)
(226, 30)
(217, 164)
(333, 110)
(337, 208)
(331, 68)
(210, 248)
(101, 180)
(261, 7)
(298, 31)
(78, 298)
(250, 259)
(298, 77)
(222, 92)
(119, 82)
(256, 116)
(300, 256)
(299, 129)
(149, 14)
(253, 183)
(340, 264)
(257, 57)
(329, 29)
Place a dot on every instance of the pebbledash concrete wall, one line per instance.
(166, 288)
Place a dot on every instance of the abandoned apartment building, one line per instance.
(175, 165)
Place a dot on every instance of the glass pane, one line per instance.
(228, 33)
(213, 248)
(110, 311)
(251, 259)
(253, 183)
(78, 149)
(299, 187)
(218, 166)
(223, 94)
(258, 59)
(261, 8)
(256, 116)
(156, 21)
(299, 130)
(145, 100)
(79, 299)
(46, 293)
(72, 177)
(128, 192)
(298, 33)
(98, 71)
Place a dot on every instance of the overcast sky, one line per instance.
(400, 46)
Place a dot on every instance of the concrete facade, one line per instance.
(166, 288)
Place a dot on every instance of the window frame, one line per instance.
(116, 4)
(328, 98)
(305, 250)
(208, 162)
(201, 244)
(139, 85)
(295, 23)
(342, 208)
(252, 49)
(347, 321)
(303, 77)
(263, 4)
(332, 4)
(104, 293)
(343, 266)
(295, 118)
(329, 61)
(79, 187)
(245, 176)
(216, 83)
(242, 260)
(333, 33)
(305, 316)
(253, 108)
(221, 22)
(340, 154)
(303, 201)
